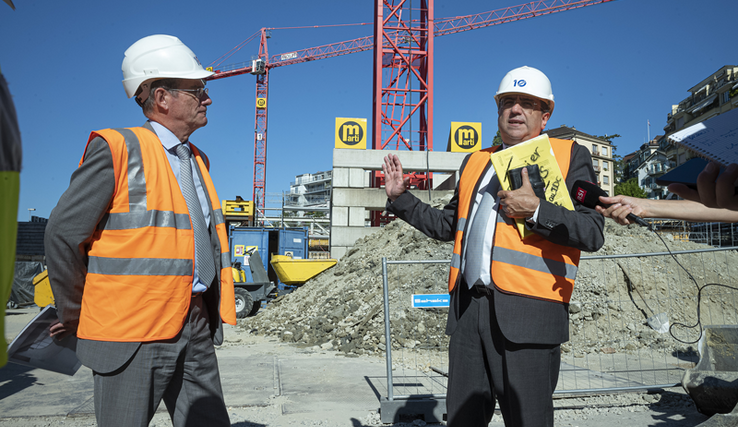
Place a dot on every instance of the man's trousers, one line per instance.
(483, 365)
(182, 371)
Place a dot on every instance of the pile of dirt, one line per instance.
(342, 308)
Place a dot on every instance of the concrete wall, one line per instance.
(352, 199)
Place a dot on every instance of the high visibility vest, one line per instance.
(534, 267)
(141, 256)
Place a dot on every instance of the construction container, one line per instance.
(268, 241)
(298, 271)
(42, 294)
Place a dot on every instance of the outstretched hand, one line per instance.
(394, 182)
(520, 203)
(621, 206)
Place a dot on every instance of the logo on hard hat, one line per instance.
(466, 137)
(519, 83)
(351, 133)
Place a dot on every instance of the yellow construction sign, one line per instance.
(350, 133)
(465, 137)
(261, 103)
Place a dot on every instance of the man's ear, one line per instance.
(544, 120)
(161, 98)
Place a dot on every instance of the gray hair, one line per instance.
(148, 104)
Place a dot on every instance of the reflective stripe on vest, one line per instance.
(534, 267)
(141, 257)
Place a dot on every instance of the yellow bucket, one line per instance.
(42, 294)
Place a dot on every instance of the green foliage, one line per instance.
(497, 140)
(630, 188)
(608, 138)
(315, 214)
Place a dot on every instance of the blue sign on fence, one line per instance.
(430, 300)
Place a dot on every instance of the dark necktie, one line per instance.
(203, 249)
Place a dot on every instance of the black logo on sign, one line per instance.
(350, 133)
(466, 137)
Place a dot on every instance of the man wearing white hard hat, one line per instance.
(137, 251)
(509, 297)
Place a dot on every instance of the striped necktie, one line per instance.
(203, 249)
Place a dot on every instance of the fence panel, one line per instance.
(633, 325)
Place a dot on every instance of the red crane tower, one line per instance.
(402, 114)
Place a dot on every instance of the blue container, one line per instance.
(268, 241)
(243, 240)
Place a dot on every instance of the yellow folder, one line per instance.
(534, 151)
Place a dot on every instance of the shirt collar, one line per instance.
(167, 138)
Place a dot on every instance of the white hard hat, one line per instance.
(158, 57)
(529, 81)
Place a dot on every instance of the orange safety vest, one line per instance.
(534, 267)
(141, 257)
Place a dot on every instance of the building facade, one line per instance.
(716, 94)
(311, 191)
(601, 150)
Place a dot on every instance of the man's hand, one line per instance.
(394, 182)
(59, 331)
(712, 191)
(520, 203)
(621, 206)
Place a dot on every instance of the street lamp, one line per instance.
(29, 213)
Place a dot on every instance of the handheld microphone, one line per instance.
(588, 194)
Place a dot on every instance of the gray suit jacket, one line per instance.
(521, 319)
(68, 234)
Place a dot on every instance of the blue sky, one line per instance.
(613, 67)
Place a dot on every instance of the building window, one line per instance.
(606, 179)
(604, 152)
(595, 150)
(605, 165)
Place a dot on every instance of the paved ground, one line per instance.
(267, 383)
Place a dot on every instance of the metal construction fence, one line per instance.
(634, 325)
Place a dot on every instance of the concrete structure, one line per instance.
(352, 197)
(600, 149)
(716, 94)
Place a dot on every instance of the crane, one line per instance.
(403, 71)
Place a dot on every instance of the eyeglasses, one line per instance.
(197, 93)
(528, 104)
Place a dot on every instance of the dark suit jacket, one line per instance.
(521, 319)
(68, 234)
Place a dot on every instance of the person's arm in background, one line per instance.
(712, 191)
(70, 228)
(686, 210)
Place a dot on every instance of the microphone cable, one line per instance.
(699, 294)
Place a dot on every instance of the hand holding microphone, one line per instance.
(588, 194)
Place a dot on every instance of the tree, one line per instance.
(630, 188)
(497, 140)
